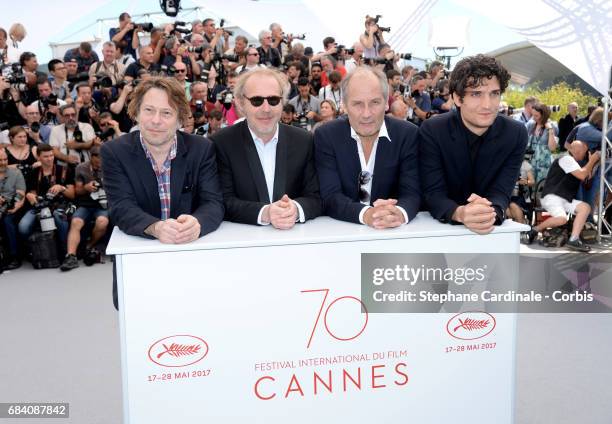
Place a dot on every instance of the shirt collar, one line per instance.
(171, 153)
(381, 133)
(256, 139)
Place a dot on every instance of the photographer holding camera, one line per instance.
(84, 56)
(91, 205)
(217, 38)
(443, 101)
(146, 61)
(126, 35)
(12, 196)
(87, 110)
(109, 65)
(119, 107)
(178, 53)
(9, 111)
(53, 182)
(418, 100)
(307, 107)
(356, 58)
(47, 104)
(109, 128)
(37, 132)
(226, 102)
(372, 39)
(268, 55)
(72, 140)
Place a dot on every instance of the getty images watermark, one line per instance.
(489, 282)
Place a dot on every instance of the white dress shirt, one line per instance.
(369, 166)
(267, 158)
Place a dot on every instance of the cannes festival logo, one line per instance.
(470, 325)
(178, 351)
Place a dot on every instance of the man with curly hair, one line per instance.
(470, 158)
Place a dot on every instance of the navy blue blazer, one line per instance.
(448, 176)
(131, 185)
(395, 170)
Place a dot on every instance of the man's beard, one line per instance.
(71, 124)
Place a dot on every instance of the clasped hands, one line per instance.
(478, 215)
(282, 214)
(181, 230)
(384, 214)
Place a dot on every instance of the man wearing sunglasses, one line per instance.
(367, 164)
(470, 158)
(266, 168)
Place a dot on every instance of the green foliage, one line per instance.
(559, 94)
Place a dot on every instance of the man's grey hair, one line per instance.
(364, 70)
(170, 43)
(194, 85)
(283, 82)
(109, 44)
(274, 25)
(262, 34)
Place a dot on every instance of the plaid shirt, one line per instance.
(163, 177)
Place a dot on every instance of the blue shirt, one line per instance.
(127, 39)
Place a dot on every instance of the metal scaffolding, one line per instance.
(605, 186)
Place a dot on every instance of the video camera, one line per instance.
(50, 100)
(168, 71)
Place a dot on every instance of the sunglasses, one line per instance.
(180, 71)
(364, 178)
(253, 54)
(258, 100)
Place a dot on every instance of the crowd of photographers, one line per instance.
(53, 123)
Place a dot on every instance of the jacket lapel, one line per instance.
(177, 174)
(254, 164)
(280, 170)
(144, 173)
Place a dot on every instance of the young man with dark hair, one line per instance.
(470, 158)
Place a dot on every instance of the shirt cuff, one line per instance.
(499, 215)
(259, 221)
(362, 213)
(403, 211)
(301, 217)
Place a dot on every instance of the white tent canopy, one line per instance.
(577, 33)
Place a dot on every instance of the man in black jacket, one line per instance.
(266, 168)
(162, 183)
(470, 158)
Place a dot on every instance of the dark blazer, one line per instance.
(395, 171)
(131, 185)
(448, 175)
(242, 178)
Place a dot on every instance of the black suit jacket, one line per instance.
(395, 171)
(242, 178)
(448, 175)
(131, 185)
